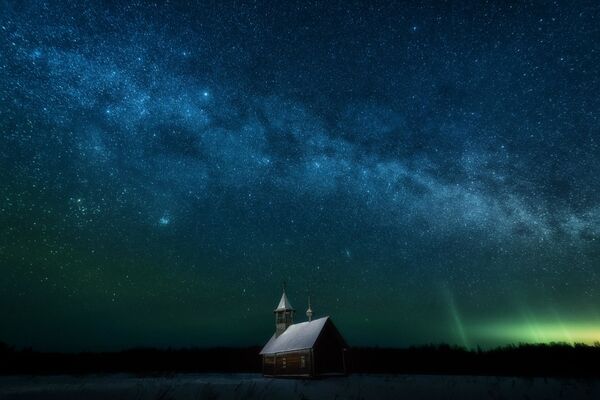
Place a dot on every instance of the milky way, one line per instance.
(427, 173)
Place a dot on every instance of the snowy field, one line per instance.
(251, 386)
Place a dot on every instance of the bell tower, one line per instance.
(284, 314)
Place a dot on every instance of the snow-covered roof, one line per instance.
(284, 303)
(296, 337)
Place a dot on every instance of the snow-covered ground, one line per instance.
(251, 386)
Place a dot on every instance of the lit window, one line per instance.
(283, 363)
(302, 362)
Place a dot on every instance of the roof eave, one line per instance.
(284, 351)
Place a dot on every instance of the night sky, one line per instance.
(427, 173)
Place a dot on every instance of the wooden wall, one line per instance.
(292, 363)
(329, 351)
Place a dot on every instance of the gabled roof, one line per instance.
(296, 337)
(284, 303)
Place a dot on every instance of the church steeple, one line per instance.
(284, 314)
(309, 312)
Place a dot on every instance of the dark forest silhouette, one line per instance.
(554, 359)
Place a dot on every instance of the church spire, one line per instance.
(309, 312)
(284, 314)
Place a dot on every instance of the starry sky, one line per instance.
(426, 172)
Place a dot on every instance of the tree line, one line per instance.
(554, 359)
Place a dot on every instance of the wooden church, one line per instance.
(314, 348)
